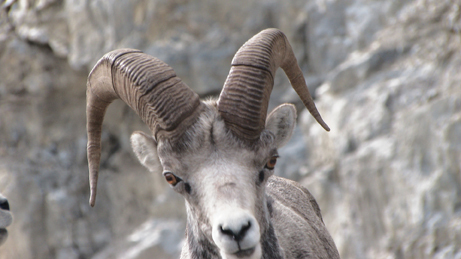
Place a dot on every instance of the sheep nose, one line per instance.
(236, 230)
(237, 233)
(4, 205)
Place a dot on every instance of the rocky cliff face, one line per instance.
(385, 74)
(390, 173)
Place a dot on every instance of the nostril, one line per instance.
(227, 232)
(4, 205)
(236, 235)
(244, 229)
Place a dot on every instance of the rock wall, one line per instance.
(390, 171)
(384, 74)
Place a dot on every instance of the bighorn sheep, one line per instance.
(5, 218)
(220, 155)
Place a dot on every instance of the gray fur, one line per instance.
(223, 171)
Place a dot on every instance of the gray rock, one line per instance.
(385, 75)
(392, 187)
(159, 237)
(291, 163)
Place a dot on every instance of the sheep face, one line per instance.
(222, 179)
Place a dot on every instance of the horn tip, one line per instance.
(322, 123)
(92, 199)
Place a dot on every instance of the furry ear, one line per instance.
(145, 148)
(281, 121)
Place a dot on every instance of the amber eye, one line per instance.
(271, 163)
(171, 178)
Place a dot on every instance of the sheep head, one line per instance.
(217, 154)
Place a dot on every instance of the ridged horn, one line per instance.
(149, 86)
(244, 99)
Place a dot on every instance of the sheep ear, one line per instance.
(145, 148)
(281, 121)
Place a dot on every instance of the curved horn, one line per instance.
(244, 99)
(148, 86)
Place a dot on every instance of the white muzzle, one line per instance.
(236, 233)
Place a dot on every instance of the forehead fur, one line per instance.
(210, 131)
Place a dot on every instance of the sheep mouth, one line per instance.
(245, 253)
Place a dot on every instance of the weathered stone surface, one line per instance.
(160, 237)
(390, 184)
(387, 177)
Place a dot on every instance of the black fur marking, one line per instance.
(201, 249)
(270, 200)
(187, 188)
(213, 143)
(270, 246)
(261, 176)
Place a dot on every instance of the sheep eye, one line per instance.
(171, 178)
(271, 163)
